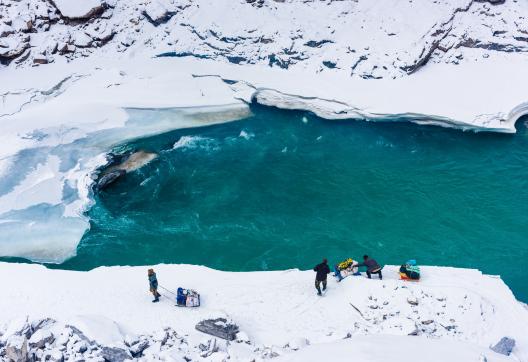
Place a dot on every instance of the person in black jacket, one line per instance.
(322, 270)
(372, 266)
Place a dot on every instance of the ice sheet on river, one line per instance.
(45, 190)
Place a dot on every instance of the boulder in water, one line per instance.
(129, 161)
(135, 161)
(109, 178)
(119, 164)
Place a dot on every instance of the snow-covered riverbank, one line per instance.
(457, 313)
(77, 78)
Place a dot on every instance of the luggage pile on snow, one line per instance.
(218, 327)
(345, 268)
(345, 264)
(187, 298)
(410, 270)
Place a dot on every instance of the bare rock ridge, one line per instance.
(389, 39)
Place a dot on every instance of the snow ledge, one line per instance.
(459, 313)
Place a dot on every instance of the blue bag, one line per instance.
(180, 297)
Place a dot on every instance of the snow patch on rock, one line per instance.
(78, 9)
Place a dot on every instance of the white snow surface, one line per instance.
(76, 9)
(459, 314)
(395, 349)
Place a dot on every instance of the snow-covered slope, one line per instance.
(381, 39)
(389, 348)
(455, 313)
(79, 77)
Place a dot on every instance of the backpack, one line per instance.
(187, 298)
(181, 298)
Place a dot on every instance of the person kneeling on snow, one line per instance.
(372, 266)
(322, 271)
(153, 282)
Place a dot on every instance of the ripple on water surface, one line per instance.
(283, 189)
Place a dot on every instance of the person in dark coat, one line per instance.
(322, 270)
(153, 283)
(372, 266)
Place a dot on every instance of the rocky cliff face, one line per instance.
(49, 340)
(381, 39)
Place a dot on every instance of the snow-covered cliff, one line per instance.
(450, 315)
(79, 77)
(371, 40)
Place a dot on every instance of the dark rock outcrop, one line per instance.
(218, 327)
(504, 346)
(85, 13)
(115, 354)
(109, 178)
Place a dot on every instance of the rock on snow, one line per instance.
(16, 348)
(504, 346)
(78, 9)
(40, 338)
(157, 12)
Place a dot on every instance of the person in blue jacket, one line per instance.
(153, 283)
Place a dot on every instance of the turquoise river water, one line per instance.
(284, 189)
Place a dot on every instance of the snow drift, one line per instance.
(457, 313)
